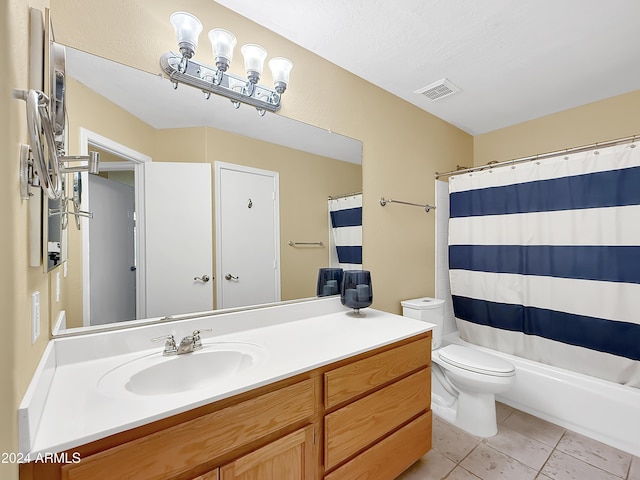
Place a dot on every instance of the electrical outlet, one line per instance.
(35, 316)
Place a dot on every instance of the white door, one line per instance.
(247, 236)
(178, 238)
(111, 256)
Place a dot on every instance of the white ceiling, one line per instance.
(514, 60)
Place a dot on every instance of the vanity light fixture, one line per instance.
(181, 68)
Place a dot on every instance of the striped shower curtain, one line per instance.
(345, 216)
(544, 260)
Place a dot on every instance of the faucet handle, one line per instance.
(170, 344)
(197, 341)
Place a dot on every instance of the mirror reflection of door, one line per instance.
(111, 292)
(178, 239)
(247, 236)
(145, 264)
(112, 280)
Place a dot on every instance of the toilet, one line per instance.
(464, 381)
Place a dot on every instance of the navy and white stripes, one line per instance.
(346, 223)
(552, 249)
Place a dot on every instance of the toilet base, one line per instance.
(475, 414)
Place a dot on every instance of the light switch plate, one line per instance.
(35, 316)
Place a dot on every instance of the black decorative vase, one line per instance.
(357, 291)
(329, 281)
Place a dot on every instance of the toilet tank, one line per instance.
(429, 310)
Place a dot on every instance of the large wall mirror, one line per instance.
(138, 120)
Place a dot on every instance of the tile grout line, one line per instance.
(626, 477)
(513, 458)
(554, 446)
(553, 450)
(590, 464)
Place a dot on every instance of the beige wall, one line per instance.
(18, 357)
(8, 299)
(608, 119)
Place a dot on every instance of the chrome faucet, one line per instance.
(188, 344)
(170, 347)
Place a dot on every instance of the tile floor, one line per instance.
(525, 448)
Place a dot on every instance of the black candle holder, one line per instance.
(357, 290)
(329, 281)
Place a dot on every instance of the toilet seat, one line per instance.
(475, 361)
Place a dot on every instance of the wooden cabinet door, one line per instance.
(166, 453)
(289, 458)
(212, 475)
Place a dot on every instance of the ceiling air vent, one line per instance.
(440, 89)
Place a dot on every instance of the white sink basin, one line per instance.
(156, 374)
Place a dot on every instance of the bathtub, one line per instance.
(602, 410)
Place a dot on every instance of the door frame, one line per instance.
(135, 161)
(218, 167)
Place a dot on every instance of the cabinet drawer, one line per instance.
(356, 378)
(392, 456)
(353, 427)
(179, 448)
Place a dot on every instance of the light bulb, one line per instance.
(188, 30)
(254, 56)
(222, 43)
(280, 70)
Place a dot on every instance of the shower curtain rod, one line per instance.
(335, 197)
(585, 148)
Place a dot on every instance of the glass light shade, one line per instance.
(280, 69)
(188, 29)
(222, 43)
(254, 56)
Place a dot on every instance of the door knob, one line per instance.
(203, 278)
(228, 276)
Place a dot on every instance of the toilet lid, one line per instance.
(475, 361)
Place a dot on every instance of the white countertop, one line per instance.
(64, 407)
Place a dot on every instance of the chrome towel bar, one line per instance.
(298, 244)
(384, 201)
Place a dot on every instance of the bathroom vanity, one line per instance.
(333, 395)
